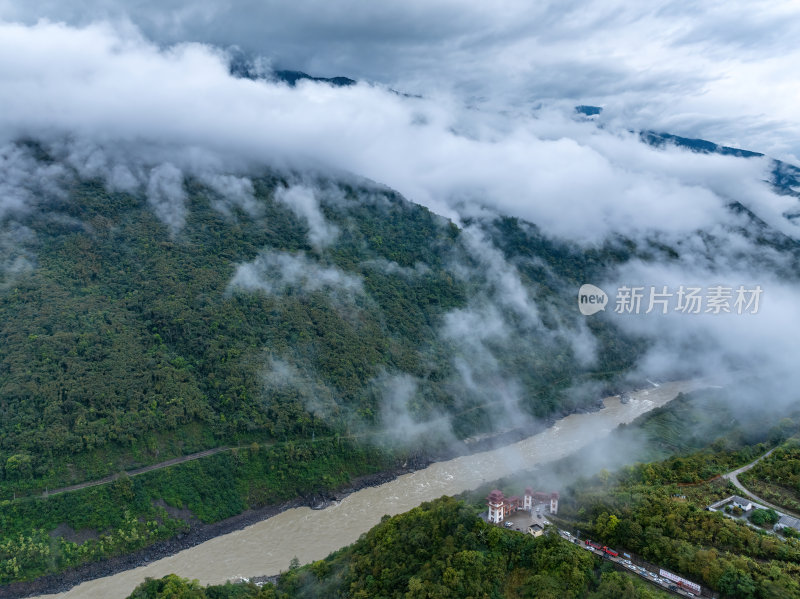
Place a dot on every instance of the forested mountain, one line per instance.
(258, 256)
(322, 328)
(317, 324)
(125, 343)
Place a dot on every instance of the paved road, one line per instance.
(738, 471)
(733, 476)
(645, 573)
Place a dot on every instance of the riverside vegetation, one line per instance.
(439, 549)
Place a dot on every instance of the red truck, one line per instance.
(593, 545)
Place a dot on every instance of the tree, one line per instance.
(764, 517)
(18, 466)
(736, 583)
(168, 587)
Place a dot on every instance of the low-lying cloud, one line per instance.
(166, 195)
(302, 201)
(179, 105)
(276, 272)
(144, 117)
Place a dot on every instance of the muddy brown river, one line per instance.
(268, 546)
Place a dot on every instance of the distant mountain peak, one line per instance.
(587, 110)
(292, 77)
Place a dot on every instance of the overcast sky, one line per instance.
(722, 70)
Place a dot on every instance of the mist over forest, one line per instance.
(324, 242)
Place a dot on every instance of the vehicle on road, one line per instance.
(611, 552)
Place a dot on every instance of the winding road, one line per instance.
(733, 476)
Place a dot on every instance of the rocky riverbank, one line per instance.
(199, 532)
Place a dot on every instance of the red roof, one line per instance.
(495, 496)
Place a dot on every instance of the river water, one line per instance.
(268, 546)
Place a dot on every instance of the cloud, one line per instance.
(503, 280)
(280, 272)
(15, 257)
(400, 417)
(112, 89)
(166, 195)
(282, 376)
(233, 191)
(752, 354)
(716, 70)
(303, 202)
(25, 182)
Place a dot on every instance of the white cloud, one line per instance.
(234, 191)
(302, 200)
(277, 272)
(720, 70)
(398, 416)
(727, 347)
(166, 195)
(111, 88)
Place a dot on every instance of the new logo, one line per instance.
(591, 299)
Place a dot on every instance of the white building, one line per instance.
(740, 502)
(500, 507)
(527, 499)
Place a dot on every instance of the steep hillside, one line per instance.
(126, 343)
(315, 326)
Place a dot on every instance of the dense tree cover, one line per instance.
(776, 478)
(174, 587)
(646, 509)
(134, 512)
(125, 344)
(439, 549)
